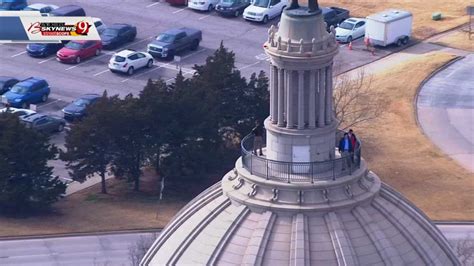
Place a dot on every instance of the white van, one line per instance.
(203, 5)
(389, 26)
(264, 10)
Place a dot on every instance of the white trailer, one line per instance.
(389, 26)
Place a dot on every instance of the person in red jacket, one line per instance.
(354, 143)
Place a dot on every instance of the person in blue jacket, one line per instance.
(345, 148)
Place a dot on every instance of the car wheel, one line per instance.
(237, 13)
(60, 127)
(44, 98)
(399, 42)
(349, 39)
(405, 40)
(97, 52)
(210, 8)
(195, 45)
(170, 55)
(150, 63)
(25, 105)
(78, 60)
(130, 71)
(265, 19)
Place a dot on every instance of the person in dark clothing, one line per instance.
(345, 147)
(354, 143)
(257, 132)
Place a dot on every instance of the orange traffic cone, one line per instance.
(350, 45)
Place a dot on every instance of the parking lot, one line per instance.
(69, 81)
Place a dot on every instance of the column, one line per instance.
(312, 99)
(274, 95)
(328, 86)
(331, 96)
(289, 99)
(300, 99)
(322, 97)
(281, 98)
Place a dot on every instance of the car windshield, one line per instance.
(110, 32)
(40, 45)
(81, 102)
(2, 83)
(74, 45)
(228, 1)
(30, 9)
(119, 58)
(346, 25)
(6, 5)
(19, 89)
(261, 3)
(165, 38)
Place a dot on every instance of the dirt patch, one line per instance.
(91, 211)
(398, 151)
(458, 39)
(454, 12)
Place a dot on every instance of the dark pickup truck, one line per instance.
(334, 15)
(171, 42)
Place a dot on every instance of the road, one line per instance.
(114, 249)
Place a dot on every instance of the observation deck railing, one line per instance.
(299, 172)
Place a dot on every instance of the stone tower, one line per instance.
(301, 125)
(297, 204)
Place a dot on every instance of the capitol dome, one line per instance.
(302, 202)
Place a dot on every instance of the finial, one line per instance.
(279, 43)
(301, 46)
(288, 46)
(313, 48)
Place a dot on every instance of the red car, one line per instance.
(75, 51)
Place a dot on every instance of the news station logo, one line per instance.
(81, 28)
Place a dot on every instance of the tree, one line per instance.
(26, 181)
(89, 145)
(356, 101)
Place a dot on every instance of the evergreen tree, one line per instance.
(26, 181)
(90, 147)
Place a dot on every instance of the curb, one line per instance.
(117, 232)
(422, 84)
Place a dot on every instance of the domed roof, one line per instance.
(357, 221)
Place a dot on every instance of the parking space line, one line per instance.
(154, 4)
(203, 17)
(244, 67)
(24, 52)
(46, 104)
(44, 61)
(72, 67)
(177, 11)
(100, 73)
(165, 65)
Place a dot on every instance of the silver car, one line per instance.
(350, 29)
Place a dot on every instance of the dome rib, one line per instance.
(345, 254)
(259, 239)
(381, 242)
(299, 253)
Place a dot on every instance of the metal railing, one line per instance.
(302, 172)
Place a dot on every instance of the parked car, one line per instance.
(6, 83)
(44, 9)
(264, 10)
(174, 41)
(118, 34)
(46, 124)
(99, 25)
(350, 29)
(25, 92)
(177, 2)
(334, 15)
(77, 109)
(389, 27)
(43, 49)
(13, 4)
(76, 51)
(17, 111)
(232, 7)
(68, 11)
(127, 61)
(202, 5)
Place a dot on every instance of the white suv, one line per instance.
(264, 10)
(127, 61)
(203, 5)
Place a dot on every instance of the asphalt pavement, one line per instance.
(115, 249)
(445, 109)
